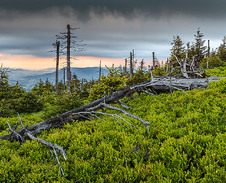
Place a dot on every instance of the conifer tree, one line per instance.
(177, 50)
(199, 48)
(4, 83)
(222, 50)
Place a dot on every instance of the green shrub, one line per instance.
(6, 109)
(110, 83)
(221, 85)
(159, 71)
(186, 143)
(213, 61)
(61, 104)
(139, 77)
(219, 72)
(28, 103)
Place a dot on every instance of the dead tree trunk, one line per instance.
(153, 59)
(167, 65)
(125, 68)
(64, 78)
(133, 58)
(142, 64)
(57, 62)
(131, 65)
(99, 71)
(207, 64)
(70, 45)
(68, 58)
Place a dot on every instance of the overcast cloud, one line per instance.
(110, 28)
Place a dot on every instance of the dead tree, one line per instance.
(57, 51)
(157, 84)
(187, 69)
(133, 56)
(208, 51)
(142, 64)
(100, 71)
(71, 45)
(131, 65)
(153, 59)
(125, 68)
(64, 78)
(208, 54)
(68, 58)
(57, 62)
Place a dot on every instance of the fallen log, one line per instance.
(157, 84)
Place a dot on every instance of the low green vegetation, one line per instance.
(219, 72)
(186, 143)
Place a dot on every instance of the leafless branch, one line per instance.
(48, 144)
(124, 105)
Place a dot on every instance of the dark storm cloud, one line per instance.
(110, 28)
(25, 45)
(126, 8)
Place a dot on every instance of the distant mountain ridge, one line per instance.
(28, 78)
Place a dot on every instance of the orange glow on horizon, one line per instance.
(95, 61)
(37, 63)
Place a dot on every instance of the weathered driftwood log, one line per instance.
(157, 84)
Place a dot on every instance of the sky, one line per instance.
(109, 28)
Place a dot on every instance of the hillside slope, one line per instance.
(28, 78)
(186, 143)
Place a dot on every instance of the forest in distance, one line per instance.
(165, 123)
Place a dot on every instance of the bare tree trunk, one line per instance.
(133, 55)
(153, 59)
(184, 71)
(68, 58)
(64, 78)
(131, 65)
(142, 64)
(207, 64)
(99, 71)
(208, 49)
(57, 63)
(125, 68)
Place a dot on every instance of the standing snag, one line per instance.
(131, 65)
(57, 62)
(72, 45)
(69, 58)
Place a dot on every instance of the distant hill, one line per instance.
(28, 78)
